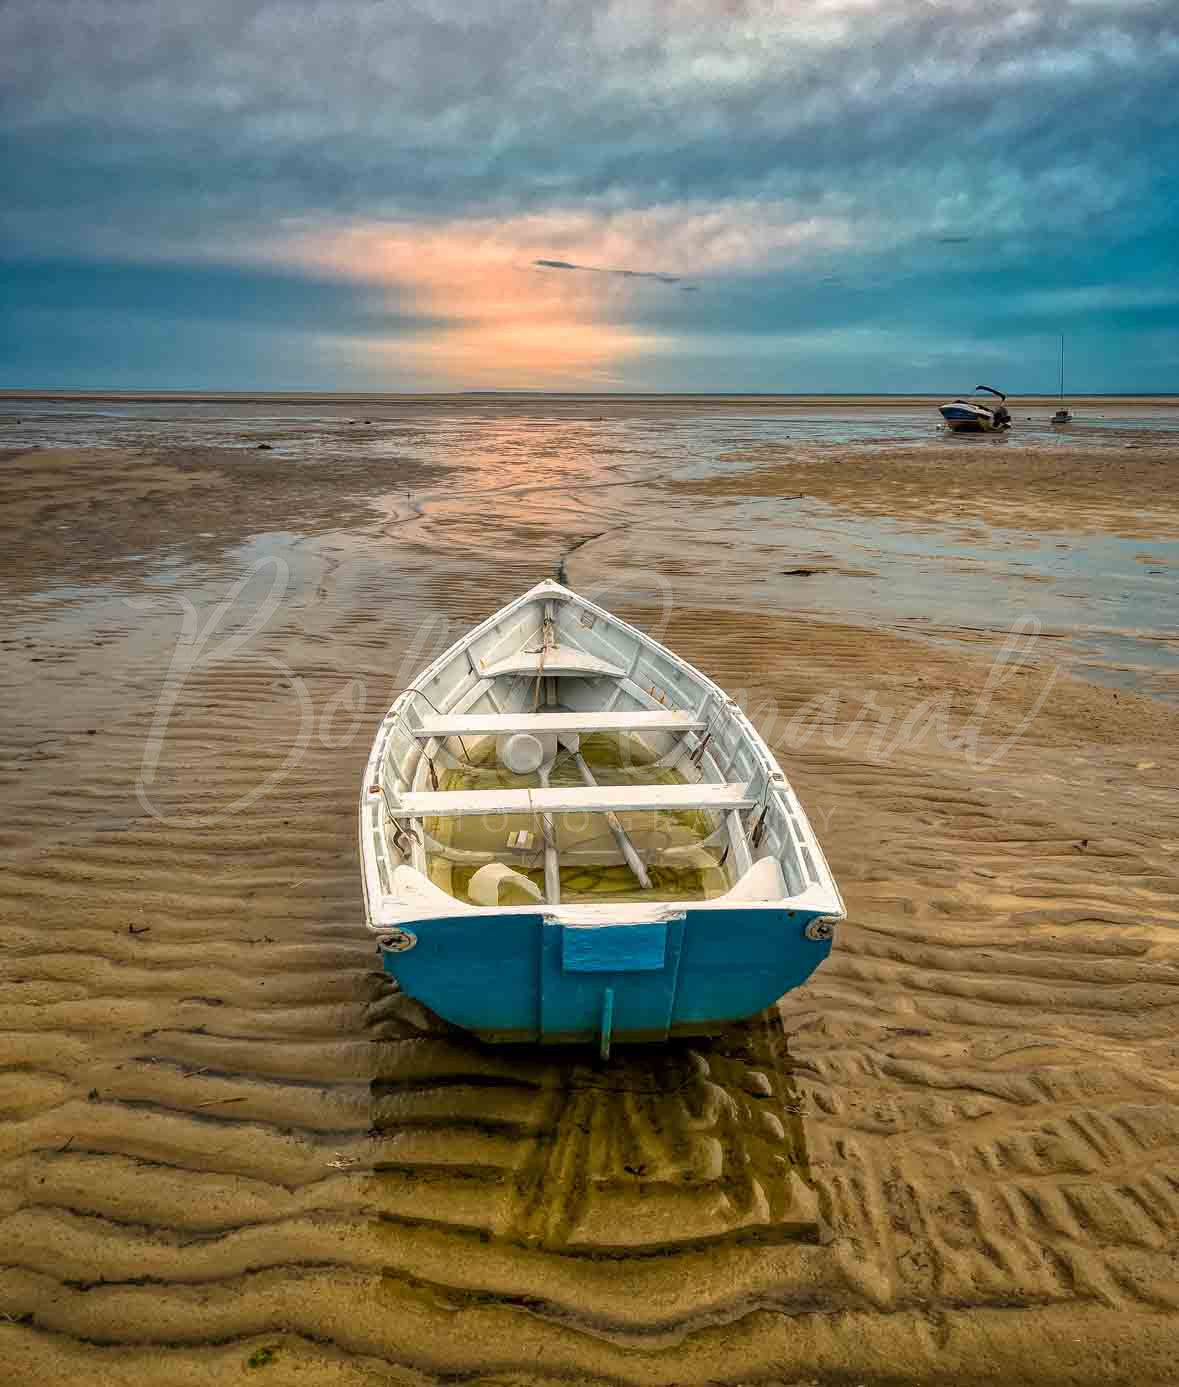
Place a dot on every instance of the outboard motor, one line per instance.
(1001, 416)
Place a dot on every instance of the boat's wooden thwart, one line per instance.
(556, 661)
(683, 886)
(493, 724)
(570, 799)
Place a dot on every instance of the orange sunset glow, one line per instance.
(503, 320)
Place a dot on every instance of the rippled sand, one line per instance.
(1122, 490)
(230, 1149)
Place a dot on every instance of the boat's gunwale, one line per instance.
(821, 896)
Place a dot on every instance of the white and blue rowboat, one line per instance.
(570, 834)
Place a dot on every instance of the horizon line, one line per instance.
(149, 393)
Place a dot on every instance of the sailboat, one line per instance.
(568, 833)
(1062, 416)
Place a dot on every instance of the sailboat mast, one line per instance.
(1062, 367)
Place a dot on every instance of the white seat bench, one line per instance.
(497, 724)
(571, 799)
(558, 659)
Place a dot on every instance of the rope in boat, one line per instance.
(539, 676)
(412, 689)
(545, 646)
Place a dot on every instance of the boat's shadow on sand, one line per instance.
(658, 1150)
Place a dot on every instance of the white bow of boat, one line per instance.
(552, 664)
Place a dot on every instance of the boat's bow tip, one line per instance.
(549, 587)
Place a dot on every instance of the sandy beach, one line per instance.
(230, 1148)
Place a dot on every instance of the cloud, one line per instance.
(1102, 298)
(598, 270)
(812, 158)
(173, 125)
(498, 322)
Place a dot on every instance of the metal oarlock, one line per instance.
(397, 941)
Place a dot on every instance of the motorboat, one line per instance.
(977, 416)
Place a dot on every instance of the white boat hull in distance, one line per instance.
(966, 418)
(568, 833)
(972, 416)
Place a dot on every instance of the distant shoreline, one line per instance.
(470, 397)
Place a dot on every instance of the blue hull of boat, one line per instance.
(518, 977)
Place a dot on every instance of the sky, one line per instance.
(698, 195)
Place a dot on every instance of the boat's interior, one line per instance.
(557, 757)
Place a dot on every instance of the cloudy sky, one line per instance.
(722, 195)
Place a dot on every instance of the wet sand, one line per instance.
(230, 1148)
(554, 402)
(1124, 491)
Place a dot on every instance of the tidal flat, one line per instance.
(230, 1149)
